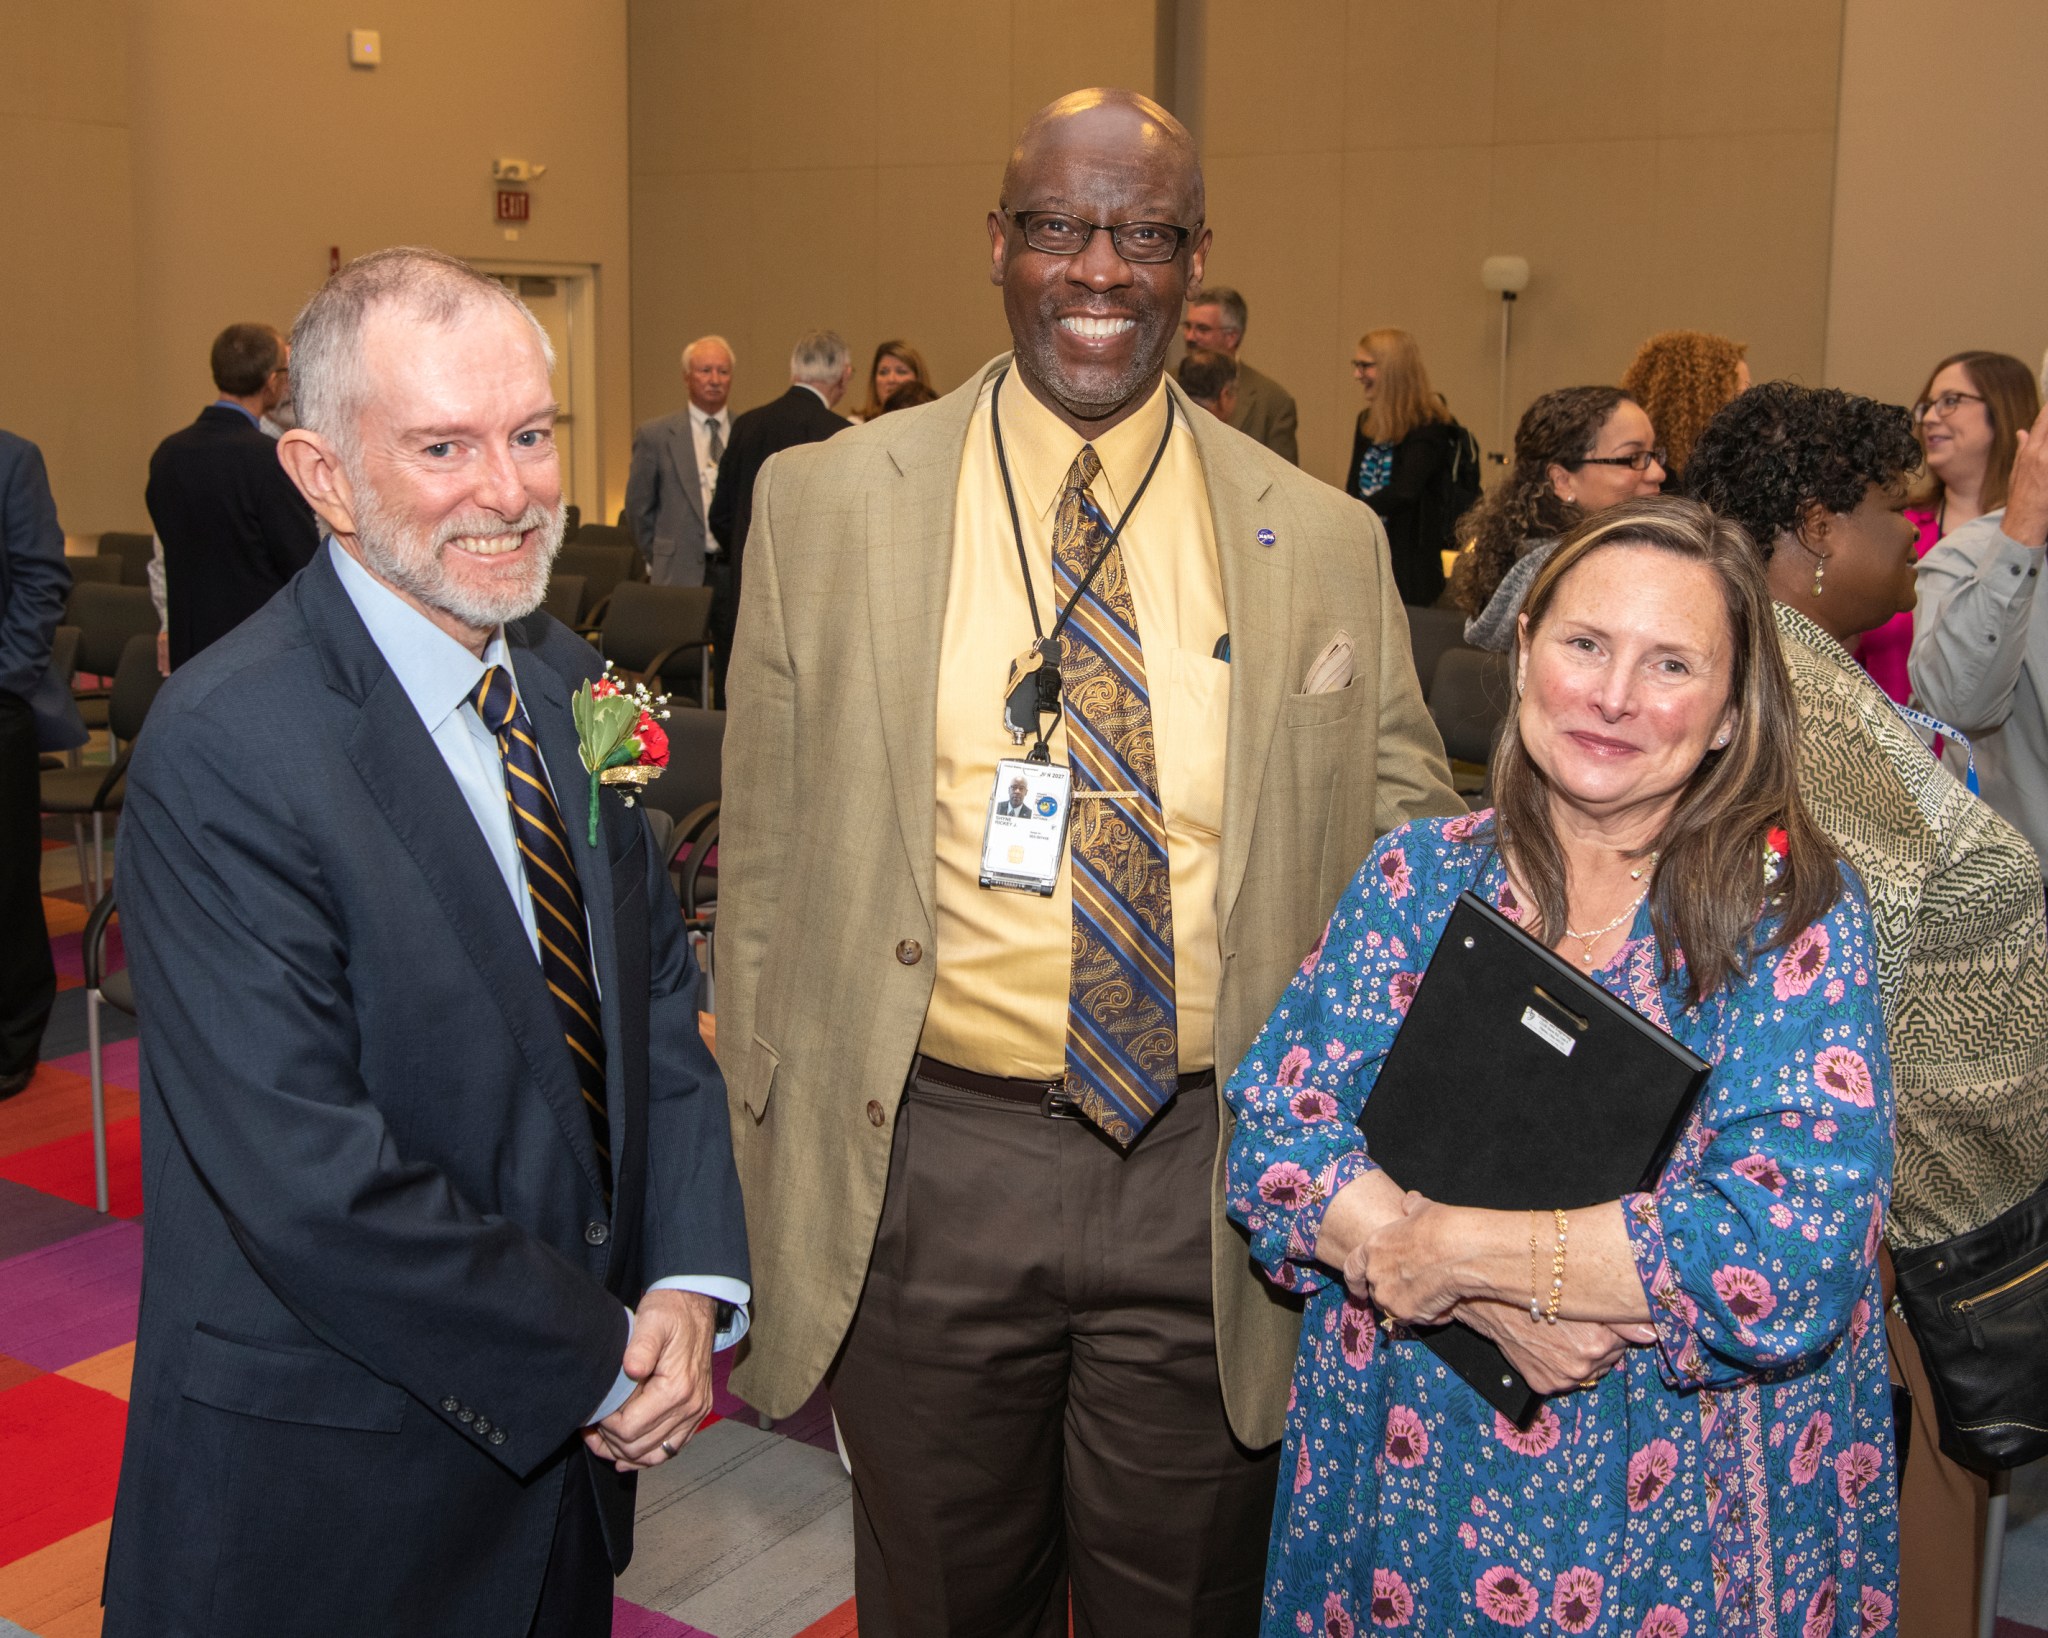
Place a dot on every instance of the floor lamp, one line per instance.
(1510, 276)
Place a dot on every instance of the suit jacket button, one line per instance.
(910, 952)
(876, 1114)
(482, 1427)
(595, 1234)
(497, 1436)
(451, 1406)
(465, 1415)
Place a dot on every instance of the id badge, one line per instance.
(1026, 838)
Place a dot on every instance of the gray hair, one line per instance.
(328, 389)
(820, 358)
(1232, 304)
(690, 351)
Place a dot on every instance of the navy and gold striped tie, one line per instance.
(1123, 1047)
(557, 899)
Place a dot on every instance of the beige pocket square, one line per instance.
(1331, 669)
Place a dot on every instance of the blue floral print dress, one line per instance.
(1736, 1477)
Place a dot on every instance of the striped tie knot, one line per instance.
(497, 700)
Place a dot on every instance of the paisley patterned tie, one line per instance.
(1123, 1048)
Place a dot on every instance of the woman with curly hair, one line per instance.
(1682, 378)
(1578, 451)
(1410, 461)
(1819, 479)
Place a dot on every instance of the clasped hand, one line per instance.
(669, 1357)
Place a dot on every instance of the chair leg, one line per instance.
(1994, 1555)
(99, 1099)
(99, 856)
(84, 866)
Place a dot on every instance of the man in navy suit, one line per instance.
(425, 1105)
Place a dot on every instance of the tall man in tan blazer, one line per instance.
(978, 1130)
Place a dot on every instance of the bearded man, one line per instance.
(974, 1067)
(424, 1105)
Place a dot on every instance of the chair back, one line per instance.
(1431, 634)
(133, 552)
(136, 681)
(602, 567)
(1468, 699)
(565, 597)
(106, 617)
(94, 571)
(696, 754)
(64, 651)
(644, 625)
(602, 534)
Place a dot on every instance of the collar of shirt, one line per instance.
(1042, 449)
(239, 409)
(437, 673)
(819, 392)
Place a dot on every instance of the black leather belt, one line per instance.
(1048, 1096)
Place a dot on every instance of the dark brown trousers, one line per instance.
(1028, 1393)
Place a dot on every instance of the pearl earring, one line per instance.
(1721, 744)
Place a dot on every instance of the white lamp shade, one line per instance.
(1507, 274)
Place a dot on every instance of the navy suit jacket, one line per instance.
(799, 416)
(35, 581)
(381, 1289)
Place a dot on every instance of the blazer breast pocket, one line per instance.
(280, 1384)
(1318, 710)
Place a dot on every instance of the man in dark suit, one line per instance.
(674, 474)
(426, 1103)
(819, 370)
(35, 713)
(234, 529)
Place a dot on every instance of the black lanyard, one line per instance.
(1046, 643)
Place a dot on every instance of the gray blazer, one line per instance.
(665, 503)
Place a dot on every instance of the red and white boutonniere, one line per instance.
(1777, 848)
(620, 737)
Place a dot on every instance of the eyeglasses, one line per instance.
(1640, 461)
(1944, 406)
(1057, 234)
(1360, 365)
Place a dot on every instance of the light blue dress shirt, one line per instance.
(440, 677)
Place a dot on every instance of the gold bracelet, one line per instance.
(1556, 1270)
(1535, 1290)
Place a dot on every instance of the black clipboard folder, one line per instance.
(1518, 1084)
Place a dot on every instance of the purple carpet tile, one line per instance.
(66, 1302)
(30, 1219)
(811, 1425)
(117, 1060)
(631, 1621)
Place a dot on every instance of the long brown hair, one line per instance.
(1560, 429)
(2012, 398)
(904, 353)
(1682, 378)
(1707, 898)
(1402, 397)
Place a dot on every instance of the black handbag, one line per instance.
(1977, 1306)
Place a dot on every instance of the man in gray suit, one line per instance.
(675, 469)
(1264, 410)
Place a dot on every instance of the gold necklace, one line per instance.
(1588, 940)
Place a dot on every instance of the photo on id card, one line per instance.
(1026, 838)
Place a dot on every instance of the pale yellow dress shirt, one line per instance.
(999, 999)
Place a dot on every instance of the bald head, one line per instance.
(1122, 123)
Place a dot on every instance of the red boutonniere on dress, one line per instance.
(1777, 848)
(619, 733)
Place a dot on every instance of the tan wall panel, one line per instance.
(1276, 79)
(1420, 76)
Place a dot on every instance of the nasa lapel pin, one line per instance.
(1267, 537)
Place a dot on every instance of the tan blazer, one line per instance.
(1265, 412)
(827, 840)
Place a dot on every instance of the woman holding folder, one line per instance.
(1716, 1454)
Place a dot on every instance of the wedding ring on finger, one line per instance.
(665, 1445)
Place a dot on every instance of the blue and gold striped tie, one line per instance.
(1123, 1047)
(557, 899)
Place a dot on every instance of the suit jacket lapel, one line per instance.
(683, 451)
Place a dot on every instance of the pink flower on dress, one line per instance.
(1461, 829)
(1663, 1621)
(1575, 1600)
(1801, 963)
(1286, 1185)
(1303, 1472)
(1537, 1439)
(1293, 1066)
(1780, 1215)
(1308, 962)
(1392, 1603)
(1824, 1131)
(1763, 1171)
(1394, 873)
(1834, 990)
(1407, 1438)
(1649, 1471)
(1745, 1292)
(1873, 1610)
(1401, 990)
(1309, 1106)
(1467, 1536)
(1813, 1442)
(1859, 1319)
(1820, 1611)
(1854, 1469)
(1304, 1621)
(1843, 1074)
(1505, 1596)
(1336, 1619)
(1355, 1334)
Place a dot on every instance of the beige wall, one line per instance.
(1661, 163)
(1941, 219)
(802, 164)
(194, 160)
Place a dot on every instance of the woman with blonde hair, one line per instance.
(1682, 378)
(896, 362)
(1410, 461)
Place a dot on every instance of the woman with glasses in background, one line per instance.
(1410, 461)
(1578, 451)
(1969, 417)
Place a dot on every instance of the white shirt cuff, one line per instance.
(734, 1294)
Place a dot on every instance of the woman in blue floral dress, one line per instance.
(1717, 1454)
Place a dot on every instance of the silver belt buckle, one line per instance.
(1057, 1104)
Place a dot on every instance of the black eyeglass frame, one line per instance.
(1641, 461)
(1948, 403)
(1024, 219)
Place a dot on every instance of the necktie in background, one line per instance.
(557, 898)
(1123, 1049)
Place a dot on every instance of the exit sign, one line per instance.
(513, 205)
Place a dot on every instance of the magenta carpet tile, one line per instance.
(66, 1302)
(118, 1062)
(631, 1621)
